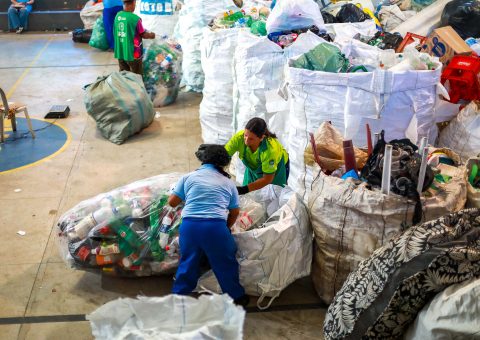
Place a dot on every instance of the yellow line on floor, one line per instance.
(24, 73)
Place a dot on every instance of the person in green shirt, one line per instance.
(265, 158)
(128, 33)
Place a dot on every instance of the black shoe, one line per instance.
(242, 301)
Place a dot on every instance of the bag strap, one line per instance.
(262, 297)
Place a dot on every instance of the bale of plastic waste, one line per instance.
(99, 37)
(130, 231)
(162, 71)
(119, 104)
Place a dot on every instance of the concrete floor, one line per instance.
(40, 296)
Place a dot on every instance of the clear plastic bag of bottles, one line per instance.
(130, 231)
(162, 71)
(252, 215)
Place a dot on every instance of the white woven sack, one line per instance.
(385, 100)
(172, 317)
(216, 109)
(274, 255)
(463, 133)
(158, 16)
(90, 13)
(259, 74)
(193, 17)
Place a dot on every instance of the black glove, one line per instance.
(243, 190)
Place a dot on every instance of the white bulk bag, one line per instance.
(216, 109)
(193, 17)
(463, 132)
(258, 75)
(386, 100)
(452, 313)
(172, 317)
(90, 13)
(158, 16)
(273, 255)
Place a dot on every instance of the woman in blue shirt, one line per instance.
(211, 208)
(18, 15)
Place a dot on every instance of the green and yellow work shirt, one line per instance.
(269, 158)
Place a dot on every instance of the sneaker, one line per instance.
(19, 30)
(242, 301)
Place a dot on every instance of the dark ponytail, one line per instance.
(259, 127)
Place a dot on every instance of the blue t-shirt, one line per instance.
(207, 193)
(112, 3)
(27, 7)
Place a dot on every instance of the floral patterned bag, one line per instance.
(384, 295)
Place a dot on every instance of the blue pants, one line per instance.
(211, 237)
(17, 18)
(109, 15)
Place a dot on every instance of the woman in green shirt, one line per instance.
(265, 158)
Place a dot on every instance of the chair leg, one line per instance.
(29, 122)
(14, 123)
(2, 136)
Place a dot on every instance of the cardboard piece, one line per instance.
(444, 43)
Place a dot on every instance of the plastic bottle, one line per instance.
(130, 254)
(474, 45)
(102, 260)
(128, 235)
(137, 210)
(349, 156)
(167, 61)
(98, 217)
(164, 229)
(107, 249)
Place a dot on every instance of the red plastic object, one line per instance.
(463, 75)
(409, 38)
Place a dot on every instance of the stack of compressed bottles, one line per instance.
(162, 71)
(255, 19)
(130, 232)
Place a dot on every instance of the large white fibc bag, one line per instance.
(259, 74)
(158, 16)
(90, 13)
(274, 255)
(386, 100)
(216, 109)
(463, 132)
(451, 314)
(172, 317)
(193, 17)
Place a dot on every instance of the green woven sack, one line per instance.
(119, 104)
(99, 37)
